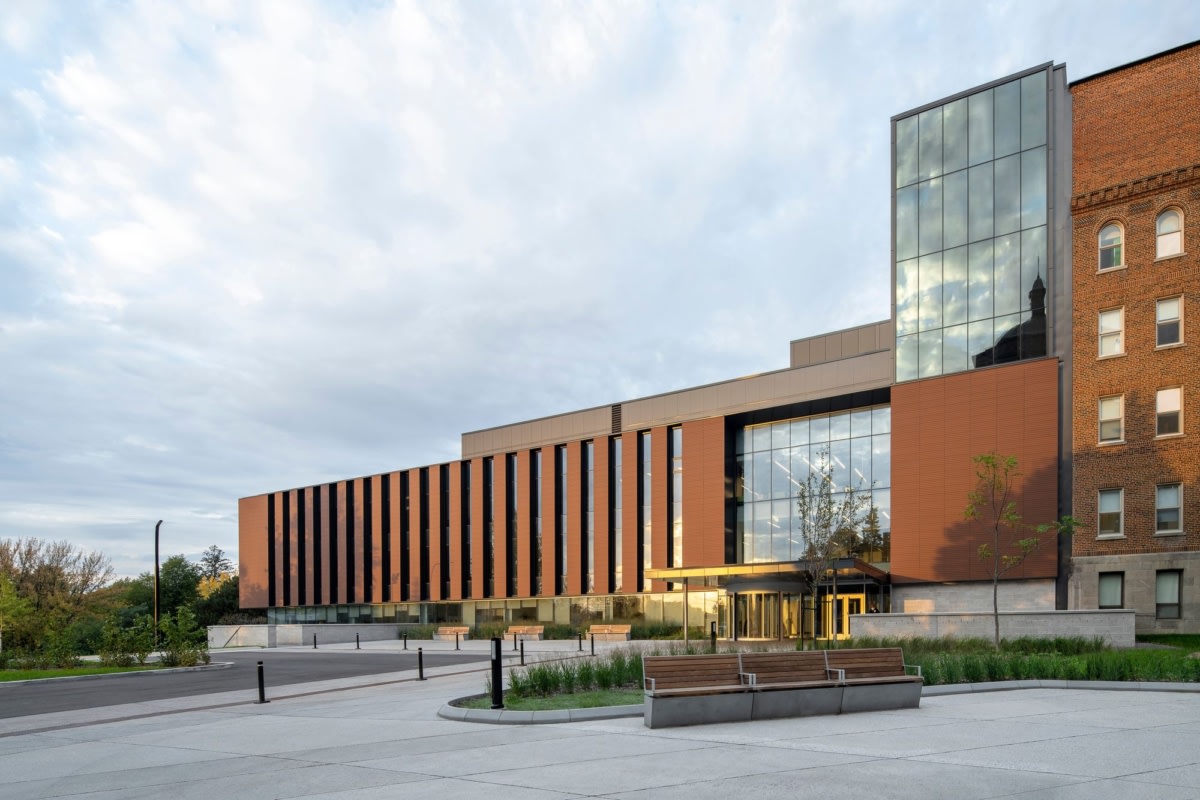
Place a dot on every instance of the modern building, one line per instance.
(1011, 304)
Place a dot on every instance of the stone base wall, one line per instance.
(296, 635)
(926, 598)
(1115, 627)
(1139, 572)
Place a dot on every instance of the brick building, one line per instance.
(1019, 325)
(1136, 183)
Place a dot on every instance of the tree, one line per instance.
(178, 585)
(1008, 540)
(214, 564)
(63, 585)
(830, 518)
(220, 600)
(13, 607)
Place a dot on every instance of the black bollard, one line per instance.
(406, 640)
(356, 646)
(314, 641)
(497, 675)
(420, 665)
(522, 654)
(581, 641)
(262, 689)
(514, 641)
(713, 635)
(593, 644)
(456, 640)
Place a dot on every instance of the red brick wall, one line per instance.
(938, 426)
(1137, 152)
(704, 492)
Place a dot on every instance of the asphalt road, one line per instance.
(279, 669)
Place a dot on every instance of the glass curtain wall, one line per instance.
(772, 460)
(971, 187)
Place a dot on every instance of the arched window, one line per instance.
(1169, 229)
(1111, 250)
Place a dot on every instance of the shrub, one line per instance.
(185, 643)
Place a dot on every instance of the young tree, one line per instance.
(13, 607)
(830, 517)
(1008, 539)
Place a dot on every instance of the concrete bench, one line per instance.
(876, 679)
(692, 690)
(447, 633)
(792, 684)
(610, 633)
(530, 632)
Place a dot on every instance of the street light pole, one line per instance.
(156, 527)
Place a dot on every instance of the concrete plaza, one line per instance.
(381, 737)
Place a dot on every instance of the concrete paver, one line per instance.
(363, 739)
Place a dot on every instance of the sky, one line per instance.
(252, 246)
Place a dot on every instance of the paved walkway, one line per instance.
(383, 739)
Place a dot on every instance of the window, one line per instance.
(1169, 228)
(1167, 506)
(1168, 413)
(1112, 590)
(1166, 593)
(1111, 238)
(1112, 332)
(1169, 322)
(1110, 505)
(1112, 428)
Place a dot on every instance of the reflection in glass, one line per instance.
(1008, 195)
(980, 195)
(954, 209)
(929, 125)
(781, 435)
(860, 423)
(1033, 187)
(881, 419)
(955, 352)
(929, 202)
(980, 288)
(929, 354)
(954, 286)
(818, 429)
(980, 127)
(930, 299)
(1007, 270)
(906, 358)
(1007, 99)
(954, 136)
(906, 151)
(906, 222)
(1033, 110)
(906, 297)
(839, 426)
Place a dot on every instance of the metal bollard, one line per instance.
(356, 645)
(262, 690)
(456, 640)
(522, 654)
(514, 641)
(593, 644)
(314, 641)
(713, 635)
(406, 640)
(420, 665)
(581, 641)
(497, 675)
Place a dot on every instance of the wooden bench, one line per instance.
(449, 632)
(610, 633)
(792, 684)
(530, 632)
(692, 690)
(876, 679)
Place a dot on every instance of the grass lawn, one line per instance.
(33, 674)
(589, 699)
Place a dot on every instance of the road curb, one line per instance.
(142, 673)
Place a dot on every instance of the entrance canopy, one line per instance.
(774, 576)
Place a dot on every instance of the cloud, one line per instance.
(246, 247)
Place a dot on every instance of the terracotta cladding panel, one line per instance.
(280, 509)
(938, 425)
(524, 525)
(392, 570)
(456, 522)
(414, 535)
(253, 541)
(375, 560)
(704, 492)
(600, 502)
(549, 520)
(293, 511)
(660, 474)
(477, 528)
(435, 532)
(357, 552)
(574, 561)
(326, 546)
(309, 578)
(629, 512)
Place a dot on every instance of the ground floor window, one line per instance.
(1112, 590)
(1167, 584)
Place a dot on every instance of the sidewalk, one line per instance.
(385, 740)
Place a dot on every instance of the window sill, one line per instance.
(1168, 533)
(1168, 436)
(1170, 346)
(1106, 270)
(1104, 537)
(1105, 357)
(1112, 443)
(1168, 258)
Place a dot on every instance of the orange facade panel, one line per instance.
(455, 527)
(392, 569)
(324, 547)
(601, 530)
(435, 533)
(938, 426)
(524, 576)
(279, 508)
(477, 527)
(292, 504)
(415, 500)
(704, 492)
(357, 552)
(549, 521)
(500, 525)
(253, 540)
(573, 561)
(308, 575)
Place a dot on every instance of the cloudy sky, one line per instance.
(252, 246)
